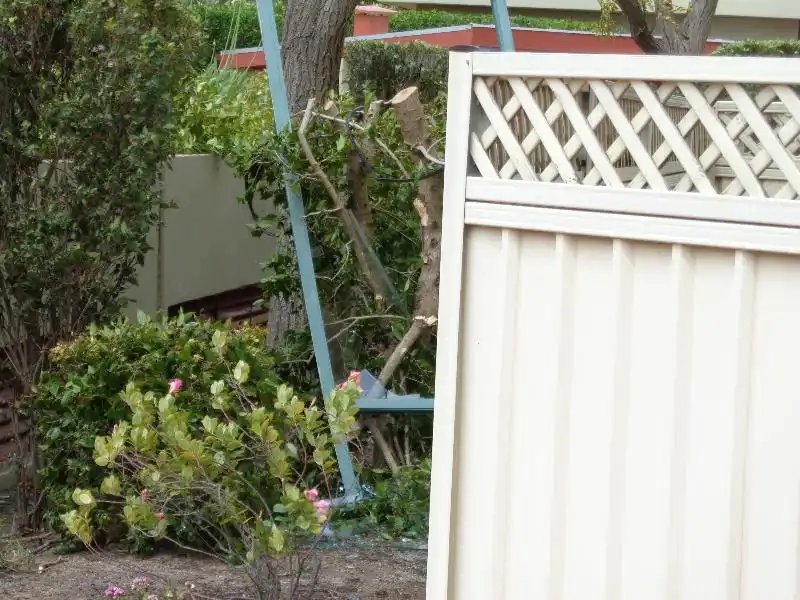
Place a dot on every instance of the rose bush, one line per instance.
(79, 399)
(248, 479)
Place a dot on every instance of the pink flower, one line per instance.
(354, 378)
(113, 591)
(322, 506)
(312, 494)
(175, 386)
(160, 516)
(140, 581)
(152, 597)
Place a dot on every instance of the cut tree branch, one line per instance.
(381, 289)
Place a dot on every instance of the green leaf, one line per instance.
(241, 372)
(277, 541)
(341, 143)
(321, 456)
(219, 339)
(111, 485)
(83, 497)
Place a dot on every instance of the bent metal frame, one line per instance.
(368, 402)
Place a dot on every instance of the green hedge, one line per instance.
(788, 48)
(412, 20)
(226, 26)
(384, 69)
(78, 397)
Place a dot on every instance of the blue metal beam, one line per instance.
(502, 24)
(395, 405)
(297, 217)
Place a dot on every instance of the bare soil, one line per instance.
(356, 571)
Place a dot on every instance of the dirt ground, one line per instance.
(357, 571)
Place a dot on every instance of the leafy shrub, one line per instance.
(384, 69)
(401, 504)
(79, 395)
(760, 48)
(225, 112)
(413, 20)
(242, 475)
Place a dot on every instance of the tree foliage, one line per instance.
(86, 124)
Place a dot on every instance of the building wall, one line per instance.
(204, 247)
(727, 25)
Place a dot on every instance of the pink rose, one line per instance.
(312, 495)
(354, 378)
(322, 506)
(175, 386)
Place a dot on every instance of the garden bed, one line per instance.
(355, 571)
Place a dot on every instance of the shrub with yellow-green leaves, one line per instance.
(253, 481)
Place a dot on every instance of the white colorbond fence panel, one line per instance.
(617, 384)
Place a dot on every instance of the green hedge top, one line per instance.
(384, 69)
(790, 48)
(225, 26)
(413, 20)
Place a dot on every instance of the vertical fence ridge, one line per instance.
(681, 267)
(565, 267)
(622, 268)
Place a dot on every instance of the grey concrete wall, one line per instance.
(204, 246)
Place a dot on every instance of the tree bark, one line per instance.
(312, 45)
(680, 34)
(313, 41)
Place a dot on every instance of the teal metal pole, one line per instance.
(297, 217)
(502, 24)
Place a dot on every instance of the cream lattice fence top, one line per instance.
(615, 130)
(616, 383)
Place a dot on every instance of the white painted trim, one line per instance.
(401, 34)
(731, 209)
(725, 172)
(459, 107)
(772, 108)
(636, 227)
(693, 69)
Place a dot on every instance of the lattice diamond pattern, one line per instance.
(713, 139)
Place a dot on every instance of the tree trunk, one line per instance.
(312, 45)
(313, 40)
(680, 34)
